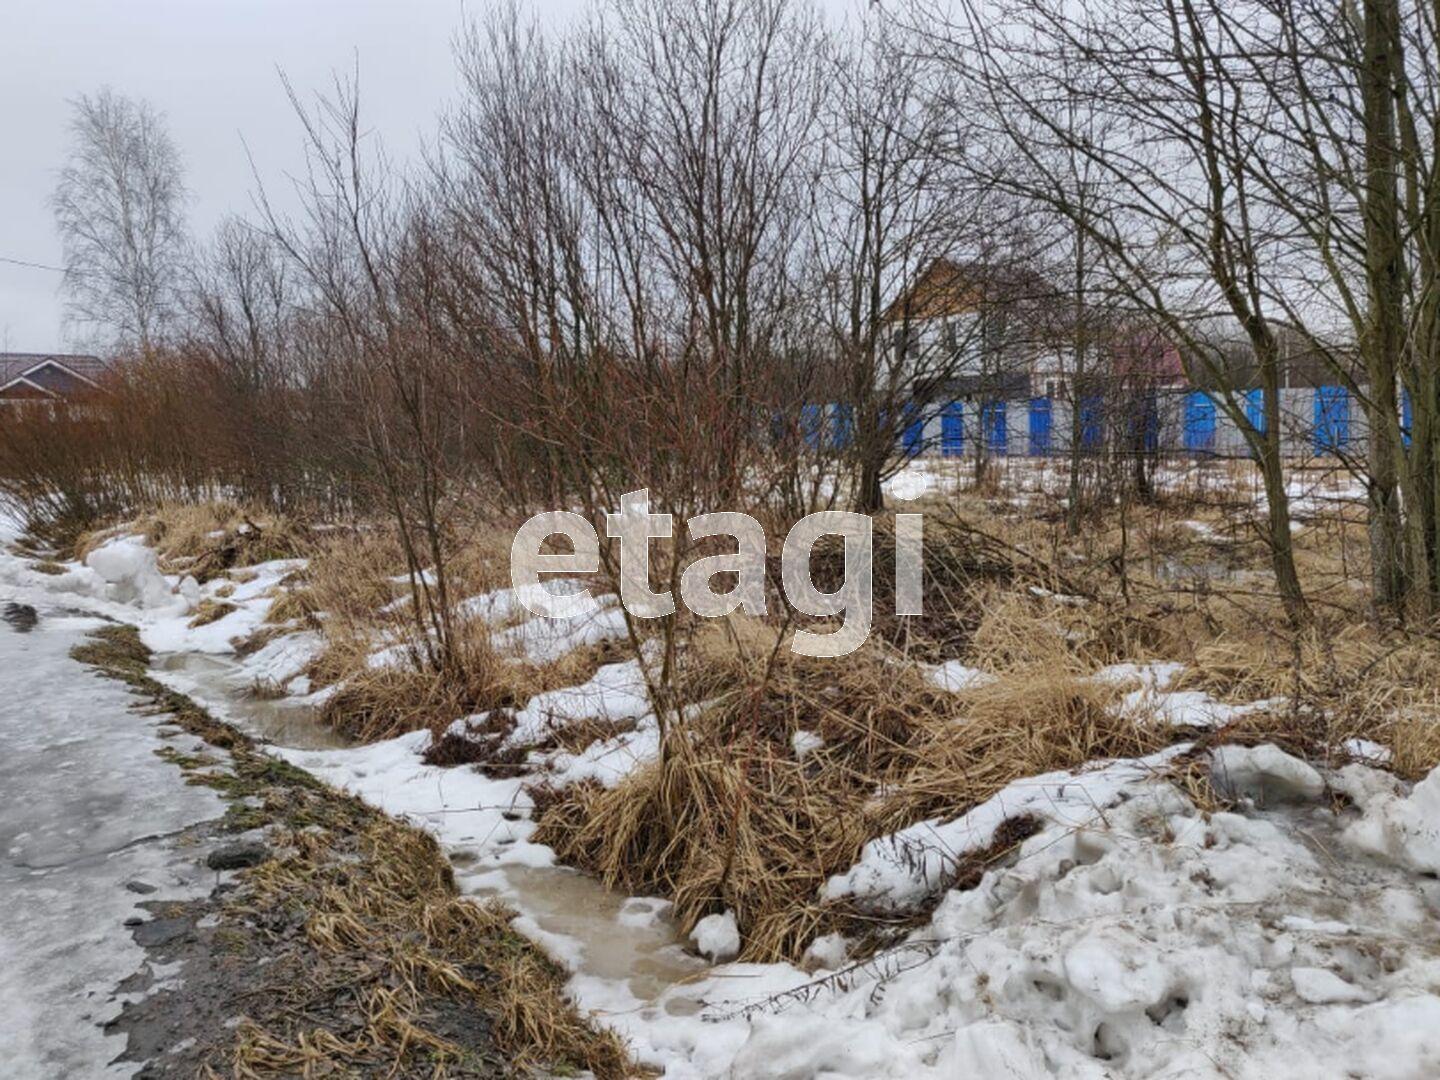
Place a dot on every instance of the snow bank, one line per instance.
(897, 871)
(1150, 941)
(1402, 828)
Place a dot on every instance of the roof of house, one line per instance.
(947, 287)
(48, 373)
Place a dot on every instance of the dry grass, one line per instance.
(729, 818)
(399, 939)
(207, 539)
(209, 611)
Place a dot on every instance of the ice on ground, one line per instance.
(86, 807)
(717, 937)
(281, 661)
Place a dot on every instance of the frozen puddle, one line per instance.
(88, 814)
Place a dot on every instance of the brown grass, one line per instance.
(728, 818)
(400, 938)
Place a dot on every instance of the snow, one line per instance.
(1321, 987)
(954, 676)
(468, 809)
(717, 937)
(615, 692)
(1265, 774)
(828, 951)
(805, 743)
(542, 639)
(128, 565)
(1402, 828)
(896, 871)
(1149, 941)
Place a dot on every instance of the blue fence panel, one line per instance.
(842, 433)
(812, 422)
(1332, 419)
(1039, 426)
(1406, 417)
(1255, 409)
(952, 430)
(1092, 431)
(992, 422)
(1152, 424)
(912, 435)
(1199, 423)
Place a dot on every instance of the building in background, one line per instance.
(47, 376)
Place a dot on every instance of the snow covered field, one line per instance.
(1134, 935)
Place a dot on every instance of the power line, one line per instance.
(31, 265)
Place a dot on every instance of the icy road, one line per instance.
(89, 816)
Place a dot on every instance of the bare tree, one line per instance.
(119, 206)
(1182, 232)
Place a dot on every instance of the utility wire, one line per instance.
(31, 265)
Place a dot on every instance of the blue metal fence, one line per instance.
(952, 430)
(1092, 429)
(1199, 423)
(1039, 445)
(1332, 419)
(1319, 420)
(992, 423)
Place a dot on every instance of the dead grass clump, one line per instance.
(478, 742)
(206, 539)
(209, 611)
(293, 604)
(382, 702)
(403, 944)
(729, 817)
(1031, 722)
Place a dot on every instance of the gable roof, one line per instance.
(947, 287)
(50, 372)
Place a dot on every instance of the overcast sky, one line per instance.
(210, 66)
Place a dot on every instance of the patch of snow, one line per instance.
(1404, 828)
(828, 951)
(543, 639)
(805, 743)
(1265, 774)
(954, 676)
(717, 937)
(898, 870)
(129, 566)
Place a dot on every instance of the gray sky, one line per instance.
(210, 66)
